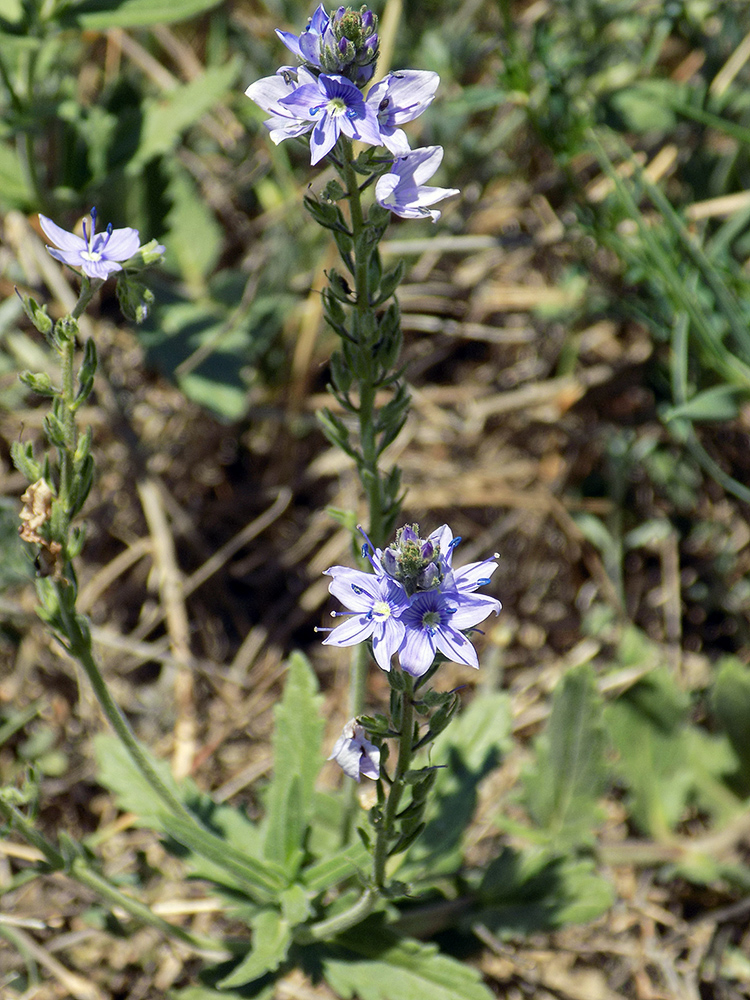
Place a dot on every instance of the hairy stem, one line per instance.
(386, 831)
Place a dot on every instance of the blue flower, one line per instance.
(354, 753)
(433, 623)
(307, 45)
(402, 190)
(334, 105)
(399, 98)
(375, 603)
(267, 94)
(97, 254)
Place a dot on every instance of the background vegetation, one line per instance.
(578, 346)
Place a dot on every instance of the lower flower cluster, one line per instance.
(414, 604)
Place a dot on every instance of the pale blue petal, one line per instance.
(122, 244)
(456, 646)
(352, 631)
(473, 575)
(473, 609)
(60, 237)
(323, 138)
(70, 257)
(385, 644)
(99, 268)
(417, 652)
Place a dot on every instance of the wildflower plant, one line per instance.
(316, 878)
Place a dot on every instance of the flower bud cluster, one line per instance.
(415, 563)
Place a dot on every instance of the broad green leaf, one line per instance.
(100, 15)
(167, 117)
(375, 964)
(525, 892)
(562, 788)
(295, 905)
(731, 705)
(645, 106)
(297, 739)
(194, 238)
(118, 773)
(271, 939)
(645, 727)
(465, 752)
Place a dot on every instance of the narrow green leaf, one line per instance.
(297, 761)
(215, 855)
(720, 402)
(99, 15)
(463, 754)
(332, 870)
(167, 117)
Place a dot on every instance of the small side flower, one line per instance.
(403, 191)
(97, 254)
(354, 753)
(400, 98)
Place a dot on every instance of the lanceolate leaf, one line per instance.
(569, 774)
(374, 964)
(297, 761)
(103, 14)
(271, 939)
(527, 891)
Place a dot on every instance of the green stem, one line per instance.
(16, 819)
(405, 753)
(67, 397)
(254, 878)
(83, 873)
(326, 929)
(363, 332)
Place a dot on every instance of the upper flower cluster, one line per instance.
(415, 604)
(323, 97)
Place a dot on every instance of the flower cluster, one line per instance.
(97, 254)
(415, 603)
(323, 97)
